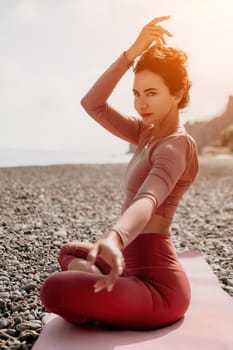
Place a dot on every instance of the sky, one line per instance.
(52, 51)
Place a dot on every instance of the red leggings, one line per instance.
(153, 291)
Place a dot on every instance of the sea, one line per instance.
(19, 158)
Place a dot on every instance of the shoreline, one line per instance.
(55, 158)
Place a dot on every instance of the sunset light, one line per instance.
(57, 54)
(116, 164)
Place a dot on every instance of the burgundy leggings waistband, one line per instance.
(156, 235)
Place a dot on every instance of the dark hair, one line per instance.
(170, 64)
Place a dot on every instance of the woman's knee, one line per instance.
(50, 292)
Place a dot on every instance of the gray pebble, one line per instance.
(15, 262)
(4, 295)
(16, 298)
(18, 319)
(60, 233)
(230, 282)
(14, 344)
(4, 335)
(4, 347)
(35, 325)
(15, 307)
(228, 288)
(4, 323)
(28, 334)
(11, 332)
(2, 304)
(29, 325)
(57, 244)
(31, 317)
(22, 326)
(3, 273)
(4, 279)
(29, 286)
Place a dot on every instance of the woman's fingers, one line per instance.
(159, 19)
(160, 42)
(165, 31)
(158, 35)
(160, 30)
(109, 251)
(149, 33)
(93, 253)
(108, 282)
(103, 283)
(155, 35)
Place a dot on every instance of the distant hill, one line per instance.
(207, 132)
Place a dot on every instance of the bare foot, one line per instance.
(82, 265)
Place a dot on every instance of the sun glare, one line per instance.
(221, 8)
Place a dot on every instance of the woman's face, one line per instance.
(152, 98)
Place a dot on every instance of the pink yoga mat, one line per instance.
(208, 323)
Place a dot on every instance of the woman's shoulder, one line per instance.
(179, 136)
(179, 142)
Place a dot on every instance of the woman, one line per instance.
(131, 277)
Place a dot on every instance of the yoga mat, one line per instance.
(208, 323)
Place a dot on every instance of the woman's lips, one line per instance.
(146, 114)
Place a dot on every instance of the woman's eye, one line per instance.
(148, 94)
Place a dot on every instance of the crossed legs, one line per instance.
(71, 295)
(135, 302)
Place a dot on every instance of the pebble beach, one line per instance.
(43, 207)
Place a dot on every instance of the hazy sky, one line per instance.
(52, 51)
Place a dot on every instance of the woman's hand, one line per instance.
(109, 248)
(149, 33)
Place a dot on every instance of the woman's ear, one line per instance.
(178, 96)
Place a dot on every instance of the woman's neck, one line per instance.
(168, 126)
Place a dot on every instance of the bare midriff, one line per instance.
(158, 224)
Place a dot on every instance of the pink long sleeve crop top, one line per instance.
(160, 171)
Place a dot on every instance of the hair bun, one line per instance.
(169, 54)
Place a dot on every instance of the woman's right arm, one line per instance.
(95, 103)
